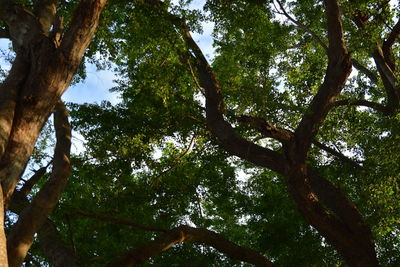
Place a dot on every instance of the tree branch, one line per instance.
(350, 218)
(305, 190)
(339, 68)
(383, 66)
(201, 89)
(58, 27)
(189, 234)
(49, 239)
(27, 187)
(45, 11)
(3, 239)
(81, 29)
(225, 133)
(337, 154)
(53, 247)
(32, 217)
(388, 43)
(21, 23)
(118, 221)
(386, 66)
(364, 70)
(285, 136)
(302, 26)
(355, 62)
(267, 129)
(176, 161)
(389, 79)
(365, 103)
(9, 90)
(293, 164)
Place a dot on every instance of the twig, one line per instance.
(304, 27)
(176, 161)
(118, 221)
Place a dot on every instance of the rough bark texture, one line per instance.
(43, 68)
(41, 72)
(3, 239)
(186, 233)
(50, 240)
(33, 217)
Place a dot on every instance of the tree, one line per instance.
(45, 62)
(319, 149)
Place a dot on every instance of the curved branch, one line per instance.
(27, 187)
(118, 221)
(177, 160)
(186, 233)
(385, 64)
(336, 201)
(364, 70)
(341, 224)
(337, 154)
(355, 62)
(225, 133)
(384, 68)
(304, 27)
(388, 43)
(267, 129)
(49, 238)
(364, 103)
(339, 68)
(285, 136)
(32, 217)
(388, 77)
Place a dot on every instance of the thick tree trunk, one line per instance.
(3, 239)
(53, 247)
(41, 72)
(34, 215)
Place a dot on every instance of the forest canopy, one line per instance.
(282, 149)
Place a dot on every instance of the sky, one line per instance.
(95, 88)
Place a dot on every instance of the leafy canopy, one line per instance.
(152, 160)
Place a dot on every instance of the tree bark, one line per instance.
(186, 233)
(3, 239)
(52, 246)
(32, 218)
(320, 202)
(40, 74)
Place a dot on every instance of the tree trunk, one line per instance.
(42, 70)
(3, 239)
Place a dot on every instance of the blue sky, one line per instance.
(95, 88)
